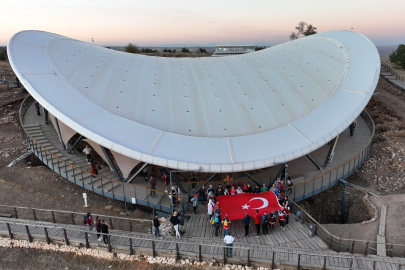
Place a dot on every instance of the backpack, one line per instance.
(226, 223)
(266, 219)
(216, 220)
(212, 221)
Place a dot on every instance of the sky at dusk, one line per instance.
(201, 23)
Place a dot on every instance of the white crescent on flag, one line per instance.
(265, 202)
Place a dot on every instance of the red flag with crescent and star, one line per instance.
(235, 206)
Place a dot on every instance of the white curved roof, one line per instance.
(222, 114)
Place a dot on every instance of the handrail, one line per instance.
(78, 213)
(302, 210)
(350, 258)
(22, 114)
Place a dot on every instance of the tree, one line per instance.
(148, 50)
(303, 29)
(167, 50)
(132, 48)
(202, 50)
(185, 50)
(398, 57)
(3, 54)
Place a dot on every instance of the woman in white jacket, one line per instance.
(210, 208)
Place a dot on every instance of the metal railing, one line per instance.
(242, 253)
(131, 193)
(348, 245)
(75, 218)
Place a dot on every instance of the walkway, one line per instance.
(211, 250)
(396, 79)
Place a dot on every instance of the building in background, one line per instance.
(224, 50)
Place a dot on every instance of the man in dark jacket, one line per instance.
(246, 221)
(156, 224)
(249, 189)
(175, 221)
(256, 189)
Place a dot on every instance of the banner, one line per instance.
(235, 206)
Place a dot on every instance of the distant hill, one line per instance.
(385, 51)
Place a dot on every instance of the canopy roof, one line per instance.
(220, 114)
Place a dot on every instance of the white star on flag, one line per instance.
(245, 206)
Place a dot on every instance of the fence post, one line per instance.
(199, 253)
(109, 243)
(131, 250)
(15, 212)
(86, 236)
(223, 249)
(53, 217)
(299, 262)
(248, 257)
(10, 234)
(130, 225)
(374, 265)
(272, 261)
(392, 251)
(28, 233)
(65, 235)
(111, 224)
(48, 241)
(153, 249)
(366, 251)
(351, 251)
(177, 252)
(324, 263)
(73, 218)
(33, 213)
(338, 248)
(330, 242)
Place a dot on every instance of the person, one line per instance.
(219, 192)
(210, 208)
(257, 220)
(228, 240)
(249, 188)
(174, 199)
(273, 220)
(226, 192)
(282, 187)
(145, 173)
(246, 221)
(194, 200)
(202, 194)
(98, 228)
(239, 190)
(193, 180)
(280, 198)
(152, 184)
(289, 184)
(87, 152)
(233, 191)
(287, 210)
(156, 225)
(225, 225)
(166, 180)
(278, 183)
(217, 222)
(175, 221)
(93, 166)
(274, 189)
(104, 231)
(227, 179)
(256, 189)
(264, 188)
(210, 190)
(281, 216)
(88, 220)
(217, 210)
(265, 223)
(37, 108)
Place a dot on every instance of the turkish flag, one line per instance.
(235, 206)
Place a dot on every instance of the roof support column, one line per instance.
(112, 166)
(70, 151)
(59, 134)
(46, 116)
(136, 174)
(209, 179)
(282, 169)
(331, 152)
(251, 178)
(317, 165)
